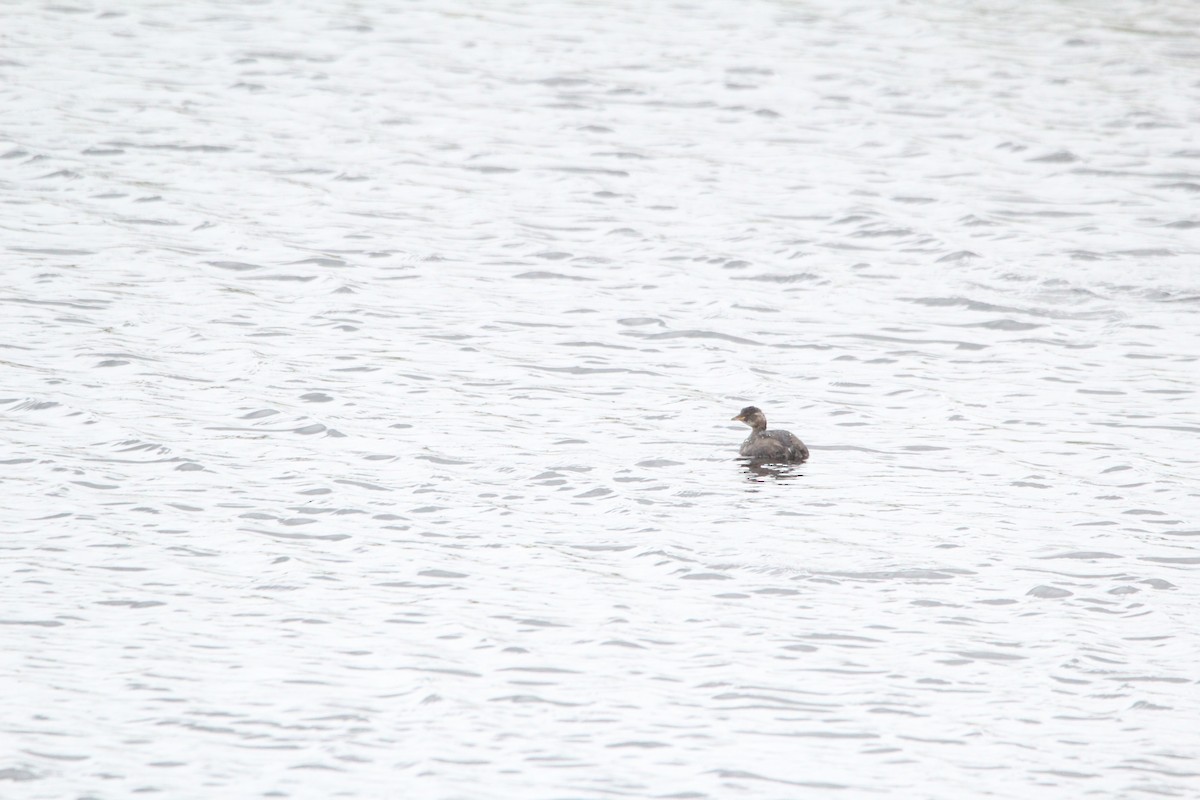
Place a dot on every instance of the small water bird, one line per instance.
(764, 446)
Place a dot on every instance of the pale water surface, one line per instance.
(368, 367)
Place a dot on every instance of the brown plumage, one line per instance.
(766, 446)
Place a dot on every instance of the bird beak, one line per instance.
(738, 418)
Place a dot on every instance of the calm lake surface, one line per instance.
(368, 371)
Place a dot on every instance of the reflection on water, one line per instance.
(760, 473)
(367, 373)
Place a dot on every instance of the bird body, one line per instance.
(766, 446)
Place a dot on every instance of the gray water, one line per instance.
(368, 369)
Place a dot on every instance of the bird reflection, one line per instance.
(757, 472)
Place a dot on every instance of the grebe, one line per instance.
(766, 446)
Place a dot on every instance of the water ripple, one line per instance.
(367, 398)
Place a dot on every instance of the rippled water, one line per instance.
(368, 371)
